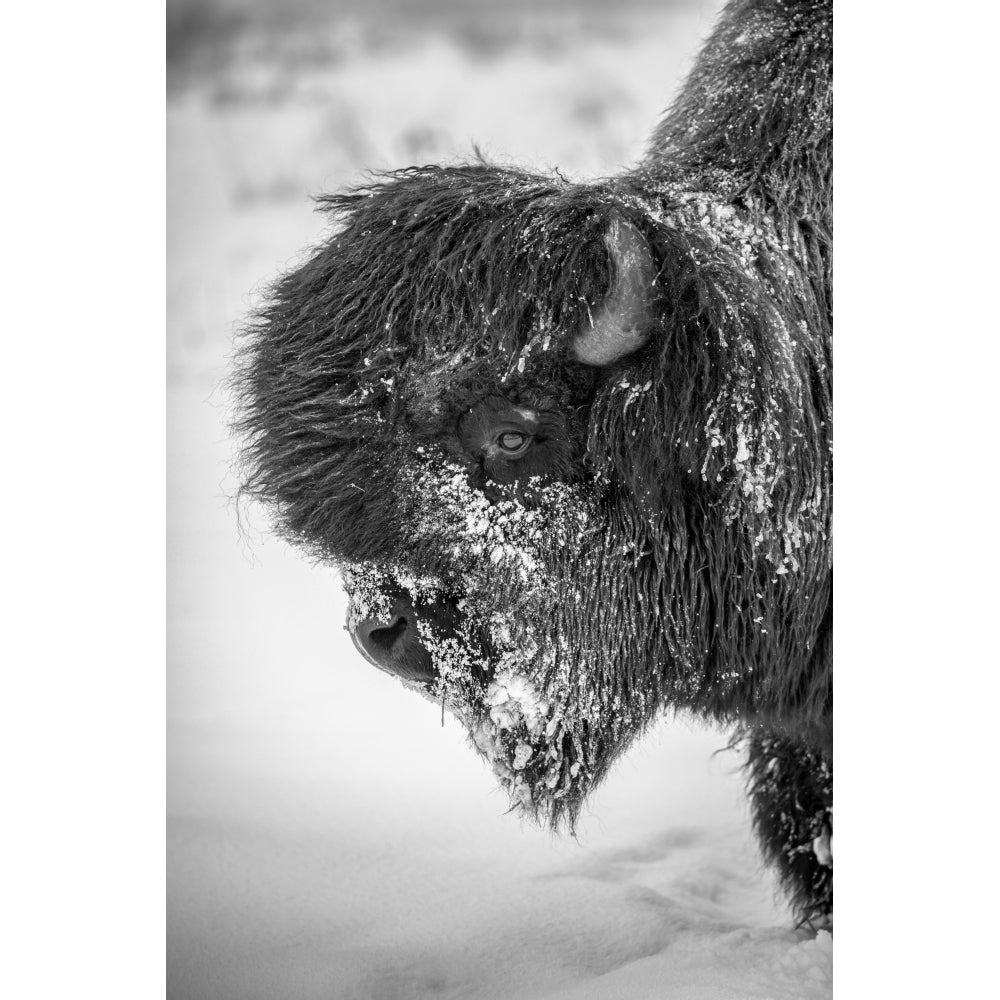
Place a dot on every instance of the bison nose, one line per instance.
(393, 643)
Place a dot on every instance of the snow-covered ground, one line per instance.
(328, 836)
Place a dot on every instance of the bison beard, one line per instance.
(570, 443)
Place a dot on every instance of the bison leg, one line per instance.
(791, 794)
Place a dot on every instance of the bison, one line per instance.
(570, 443)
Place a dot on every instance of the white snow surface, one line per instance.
(328, 836)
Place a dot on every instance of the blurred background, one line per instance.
(327, 835)
(269, 103)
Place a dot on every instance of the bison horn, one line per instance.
(621, 325)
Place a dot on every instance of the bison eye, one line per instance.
(513, 443)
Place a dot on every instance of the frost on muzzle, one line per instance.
(495, 635)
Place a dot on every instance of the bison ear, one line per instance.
(620, 325)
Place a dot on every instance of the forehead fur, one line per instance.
(473, 258)
(430, 276)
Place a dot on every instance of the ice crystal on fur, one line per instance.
(593, 421)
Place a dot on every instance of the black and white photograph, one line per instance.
(499, 499)
(419, 451)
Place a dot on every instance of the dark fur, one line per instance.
(707, 582)
(791, 794)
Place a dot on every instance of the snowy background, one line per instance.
(327, 836)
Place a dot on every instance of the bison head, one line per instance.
(567, 446)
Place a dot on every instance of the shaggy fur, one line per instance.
(791, 792)
(667, 541)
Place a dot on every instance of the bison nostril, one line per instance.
(387, 636)
(392, 643)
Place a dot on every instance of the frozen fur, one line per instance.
(668, 543)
